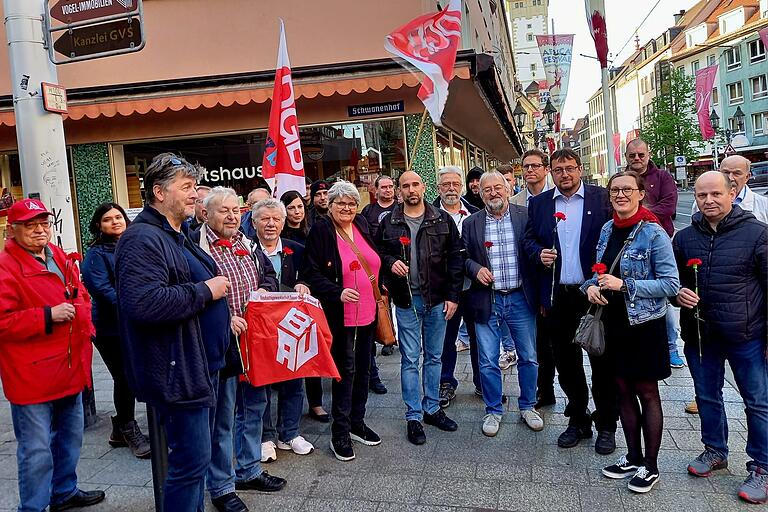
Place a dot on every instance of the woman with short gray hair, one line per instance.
(338, 255)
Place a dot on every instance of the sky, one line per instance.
(622, 18)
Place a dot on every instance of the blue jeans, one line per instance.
(220, 478)
(290, 404)
(49, 437)
(673, 328)
(249, 412)
(750, 369)
(419, 326)
(189, 454)
(507, 343)
(510, 310)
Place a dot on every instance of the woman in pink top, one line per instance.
(337, 275)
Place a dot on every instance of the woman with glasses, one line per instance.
(339, 248)
(634, 294)
(107, 225)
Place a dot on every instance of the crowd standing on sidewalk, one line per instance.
(163, 298)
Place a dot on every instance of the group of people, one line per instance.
(163, 298)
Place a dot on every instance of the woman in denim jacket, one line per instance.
(635, 299)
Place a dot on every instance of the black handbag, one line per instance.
(590, 334)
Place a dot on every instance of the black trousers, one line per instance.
(313, 386)
(545, 383)
(449, 346)
(125, 400)
(350, 394)
(570, 305)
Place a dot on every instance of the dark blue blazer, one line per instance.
(478, 296)
(539, 233)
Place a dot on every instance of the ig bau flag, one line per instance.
(283, 165)
(430, 42)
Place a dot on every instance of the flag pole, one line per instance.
(416, 140)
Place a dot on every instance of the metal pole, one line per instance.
(159, 445)
(40, 134)
(608, 121)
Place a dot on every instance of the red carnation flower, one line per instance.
(287, 251)
(354, 266)
(693, 262)
(488, 244)
(74, 256)
(242, 253)
(559, 216)
(405, 240)
(223, 243)
(463, 212)
(599, 268)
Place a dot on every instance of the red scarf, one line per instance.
(641, 214)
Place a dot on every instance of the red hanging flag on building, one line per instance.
(598, 29)
(287, 338)
(430, 43)
(705, 81)
(283, 165)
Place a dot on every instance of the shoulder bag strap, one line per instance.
(363, 262)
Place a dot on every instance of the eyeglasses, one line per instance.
(450, 184)
(638, 155)
(626, 191)
(534, 167)
(346, 206)
(497, 188)
(45, 224)
(559, 171)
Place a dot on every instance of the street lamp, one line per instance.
(520, 116)
(739, 117)
(549, 113)
(714, 120)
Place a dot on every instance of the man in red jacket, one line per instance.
(45, 359)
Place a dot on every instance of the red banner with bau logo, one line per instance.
(287, 338)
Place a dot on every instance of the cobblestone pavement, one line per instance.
(519, 470)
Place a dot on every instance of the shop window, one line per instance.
(458, 152)
(443, 148)
(357, 152)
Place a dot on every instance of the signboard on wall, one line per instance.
(372, 109)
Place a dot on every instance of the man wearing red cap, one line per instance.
(45, 359)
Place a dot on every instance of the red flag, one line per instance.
(283, 165)
(598, 29)
(430, 43)
(617, 148)
(763, 33)
(705, 80)
(287, 338)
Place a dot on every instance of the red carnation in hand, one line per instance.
(74, 256)
(694, 262)
(405, 240)
(488, 244)
(242, 253)
(599, 268)
(223, 243)
(354, 266)
(287, 251)
(559, 216)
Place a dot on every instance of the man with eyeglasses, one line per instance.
(45, 318)
(198, 218)
(535, 172)
(568, 248)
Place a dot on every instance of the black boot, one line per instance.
(131, 436)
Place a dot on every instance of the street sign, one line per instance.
(105, 38)
(680, 173)
(73, 11)
(729, 150)
(681, 161)
(54, 98)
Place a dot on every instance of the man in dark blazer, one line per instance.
(585, 209)
(502, 292)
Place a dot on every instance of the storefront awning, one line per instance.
(227, 96)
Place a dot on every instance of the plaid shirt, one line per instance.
(503, 253)
(240, 270)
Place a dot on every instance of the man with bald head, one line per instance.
(737, 168)
(254, 196)
(422, 266)
(723, 264)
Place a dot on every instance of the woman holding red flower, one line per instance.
(634, 293)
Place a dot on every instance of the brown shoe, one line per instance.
(692, 408)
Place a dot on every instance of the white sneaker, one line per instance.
(491, 423)
(268, 453)
(461, 346)
(532, 419)
(504, 360)
(298, 444)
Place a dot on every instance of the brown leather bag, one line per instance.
(385, 329)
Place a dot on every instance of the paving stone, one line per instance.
(124, 498)
(329, 505)
(122, 471)
(396, 488)
(539, 498)
(665, 501)
(262, 502)
(461, 492)
(400, 507)
(598, 498)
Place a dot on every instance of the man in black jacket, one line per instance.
(422, 264)
(724, 274)
(174, 324)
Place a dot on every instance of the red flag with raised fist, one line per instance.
(430, 43)
(283, 164)
(287, 338)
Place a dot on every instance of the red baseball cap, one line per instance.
(26, 209)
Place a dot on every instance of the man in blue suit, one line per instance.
(568, 248)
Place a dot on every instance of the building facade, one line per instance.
(527, 19)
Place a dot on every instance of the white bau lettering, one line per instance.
(296, 339)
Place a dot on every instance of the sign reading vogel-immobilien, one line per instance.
(72, 11)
